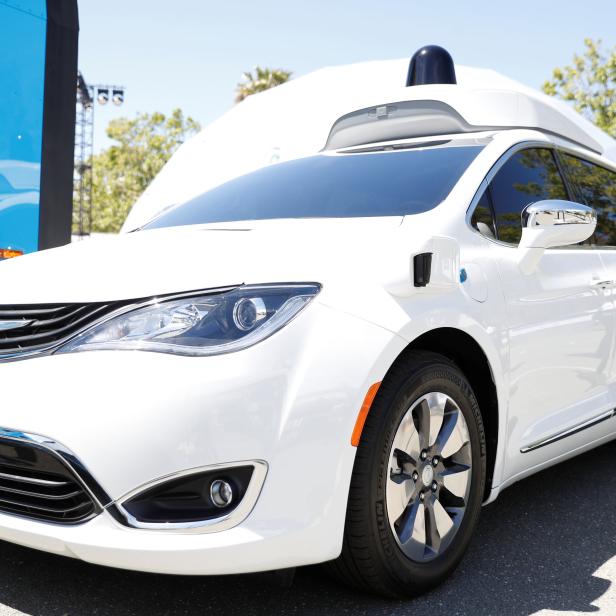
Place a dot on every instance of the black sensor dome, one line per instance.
(429, 65)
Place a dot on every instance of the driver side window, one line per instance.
(527, 176)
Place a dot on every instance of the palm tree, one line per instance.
(263, 79)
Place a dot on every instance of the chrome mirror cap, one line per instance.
(552, 223)
(553, 212)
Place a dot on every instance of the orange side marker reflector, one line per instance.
(363, 414)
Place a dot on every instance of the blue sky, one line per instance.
(191, 53)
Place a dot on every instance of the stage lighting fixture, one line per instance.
(103, 97)
(117, 97)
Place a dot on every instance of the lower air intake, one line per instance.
(37, 485)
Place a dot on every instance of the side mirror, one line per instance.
(552, 223)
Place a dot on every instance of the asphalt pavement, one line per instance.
(547, 546)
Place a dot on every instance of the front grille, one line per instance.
(35, 484)
(45, 325)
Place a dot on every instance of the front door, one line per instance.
(558, 325)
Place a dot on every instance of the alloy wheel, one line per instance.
(429, 476)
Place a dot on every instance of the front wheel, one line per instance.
(418, 480)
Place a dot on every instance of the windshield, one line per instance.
(341, 185)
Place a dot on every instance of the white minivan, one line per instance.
(335, 359)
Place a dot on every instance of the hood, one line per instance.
(180, 259)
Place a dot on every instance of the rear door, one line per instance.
(595, 186)
(559, 333)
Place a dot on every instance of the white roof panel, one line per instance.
(295, 119)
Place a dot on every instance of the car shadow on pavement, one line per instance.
(537, 547)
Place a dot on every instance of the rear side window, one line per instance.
(595, 187)
(528, 176)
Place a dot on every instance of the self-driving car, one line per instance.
(335, 359)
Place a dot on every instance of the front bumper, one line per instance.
(102, 541)
(133, 417)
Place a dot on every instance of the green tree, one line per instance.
(124, 170)
(263, 79)
(590, 84)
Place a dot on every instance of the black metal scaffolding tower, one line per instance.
(84, 141)
(84, 148)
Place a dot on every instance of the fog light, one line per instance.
(221, 493)
(193, 497)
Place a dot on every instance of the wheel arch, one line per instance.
(464, 350)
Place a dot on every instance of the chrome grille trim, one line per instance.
(67, 457)
(44, 327)
(39, 482)
(40, 495)
(36, 483)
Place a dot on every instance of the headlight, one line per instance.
(199, 325)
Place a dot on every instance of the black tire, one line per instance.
(371, 558)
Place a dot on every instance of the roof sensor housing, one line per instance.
(431, 65)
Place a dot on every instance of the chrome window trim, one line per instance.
(100, 497)
(212, 525)
(590, 156)
(584, 425)
(136, 305)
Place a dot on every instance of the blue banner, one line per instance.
(22, 80)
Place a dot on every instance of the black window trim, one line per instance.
(488, 193)
(569, 187)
